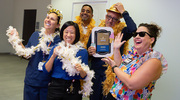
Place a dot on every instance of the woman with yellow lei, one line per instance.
(112, 19)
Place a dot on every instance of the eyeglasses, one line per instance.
(113, 19)
(141, 34)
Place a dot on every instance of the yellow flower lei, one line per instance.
(110, 76)
(85, 37)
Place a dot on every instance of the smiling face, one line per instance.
(51, 22)
(142, 44)
(86, 13)
(69, 34)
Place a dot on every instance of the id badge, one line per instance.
(40, 66)
(127, 61)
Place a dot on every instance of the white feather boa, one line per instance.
(67, 55)
(28, 52)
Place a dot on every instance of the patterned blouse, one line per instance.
(131, 62)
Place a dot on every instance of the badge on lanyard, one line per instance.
(40, 66)
(127, 61)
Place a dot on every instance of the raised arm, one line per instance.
(149, 71)
(50, 62)
(116, 51)
(83, 54)
(131, 26)
(117, 45)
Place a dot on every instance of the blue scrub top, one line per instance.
(58, 72)
(33, 76)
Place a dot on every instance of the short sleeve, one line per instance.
(84, 55)
(32, 40)
(164, 63)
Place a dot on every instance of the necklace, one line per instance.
(85, 37)
(28, 52)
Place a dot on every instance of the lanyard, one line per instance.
(45, 54)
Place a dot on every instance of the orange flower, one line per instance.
(120, 91)
(116, 80)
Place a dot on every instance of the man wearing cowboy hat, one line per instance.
(112, 19)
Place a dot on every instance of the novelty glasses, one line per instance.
(113, 18)
(141, 34)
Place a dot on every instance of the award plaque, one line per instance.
(102, 40)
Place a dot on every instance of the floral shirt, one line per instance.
(130, 64)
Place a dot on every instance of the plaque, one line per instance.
(102, 40)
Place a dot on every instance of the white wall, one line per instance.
(21, 5)
(12, 13)
(99, 10)
(166, 14)
(66, 7)
(6, 19)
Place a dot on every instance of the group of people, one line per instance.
(58, 67)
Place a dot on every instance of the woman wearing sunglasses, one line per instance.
(137, 72)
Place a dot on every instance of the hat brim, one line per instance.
(112, 10)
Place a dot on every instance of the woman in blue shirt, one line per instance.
(66, 75)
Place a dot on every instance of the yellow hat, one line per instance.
(113, 9)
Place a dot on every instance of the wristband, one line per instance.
(113, 68)
(124, 12)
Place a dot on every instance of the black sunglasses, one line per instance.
(141, 34)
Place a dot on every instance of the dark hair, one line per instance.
(77, 32)
(88, 6)
(153, 29)
(57, 29)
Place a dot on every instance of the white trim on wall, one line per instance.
(98, 13)
(90, 2)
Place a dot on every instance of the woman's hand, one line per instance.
(50, 62)
(80, 69)
(117, 41)
(109, 61)
(56, 50)
(14, 31)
